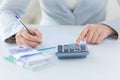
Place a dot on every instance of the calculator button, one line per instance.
(76, 48)
(83, 47)
(60, 48)
(71, 48)
(66, 48)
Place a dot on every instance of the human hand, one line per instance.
(23, 37)
(95, 33)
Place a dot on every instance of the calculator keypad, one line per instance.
(72, 51)
(71, 48)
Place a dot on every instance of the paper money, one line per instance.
(19, 49)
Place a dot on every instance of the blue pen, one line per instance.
(23, 25)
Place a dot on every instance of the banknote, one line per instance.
(19, 49)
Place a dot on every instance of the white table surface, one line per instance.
(103, 62)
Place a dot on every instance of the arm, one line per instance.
(9, 26)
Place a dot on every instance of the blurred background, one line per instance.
(34, 17)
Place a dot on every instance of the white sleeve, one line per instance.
(9, 25)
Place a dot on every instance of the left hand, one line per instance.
(95, 33)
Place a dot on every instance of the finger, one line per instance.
(20, 43)
(95, 37)
(19, 40)
(85, 39)
(99, 39)
(29, 37)
(29, 43)
(38, 33)
(90, 33)
(82, 34)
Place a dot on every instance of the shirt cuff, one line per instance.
(9, 36)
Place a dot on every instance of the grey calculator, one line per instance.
(72, 51)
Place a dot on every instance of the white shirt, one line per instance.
(72, 4)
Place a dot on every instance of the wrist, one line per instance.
(112, 32)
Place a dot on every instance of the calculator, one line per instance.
(72, 51)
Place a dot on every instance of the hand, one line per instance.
(95, 33)
(23, 37)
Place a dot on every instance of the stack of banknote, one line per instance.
(28, 57)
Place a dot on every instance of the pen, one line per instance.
(24, 25)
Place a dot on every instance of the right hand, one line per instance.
(23, 37)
